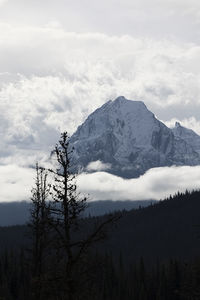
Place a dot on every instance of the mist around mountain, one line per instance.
(128, 140)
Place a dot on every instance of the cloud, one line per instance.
(138, 18)
(16, 183)
(162, 73)
(97, 166)
(3, 2)
(157, 184)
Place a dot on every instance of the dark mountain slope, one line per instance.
(17, 213)
(168, 229)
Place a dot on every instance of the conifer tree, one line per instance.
(71, 236)
(39, 230)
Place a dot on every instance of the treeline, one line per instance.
(104, 280)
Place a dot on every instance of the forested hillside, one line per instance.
(169, 228)
(150, 253)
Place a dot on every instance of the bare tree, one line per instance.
(61, 236)
(72, 234)
(39, 232)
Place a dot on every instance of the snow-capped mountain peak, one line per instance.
(127, 136)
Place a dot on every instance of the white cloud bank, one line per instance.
(157, 184)
(16, 183)
(97, 166)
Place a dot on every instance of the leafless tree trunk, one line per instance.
(39, 231)
(66, 211)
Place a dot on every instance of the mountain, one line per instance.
(128, 140)
(168, 229)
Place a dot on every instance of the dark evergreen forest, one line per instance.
(150, 253)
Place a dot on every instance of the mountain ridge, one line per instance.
(128, 137)
(165, 230)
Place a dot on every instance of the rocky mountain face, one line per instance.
(128, 140)
(188, 135)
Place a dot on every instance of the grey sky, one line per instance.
(139, 18)
(60, 60)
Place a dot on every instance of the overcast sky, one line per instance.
(60, 60)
